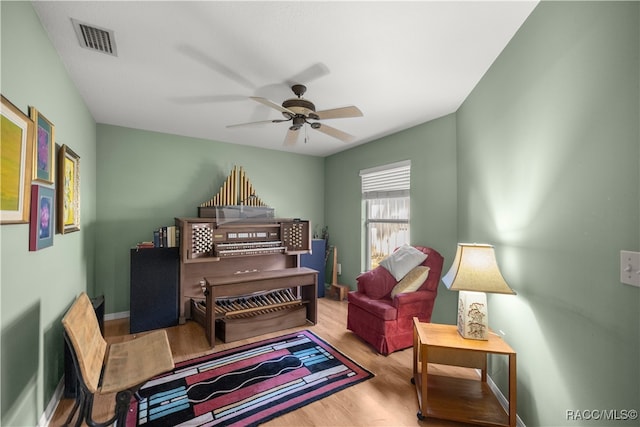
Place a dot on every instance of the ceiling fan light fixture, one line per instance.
(299, 106)
(298, 122)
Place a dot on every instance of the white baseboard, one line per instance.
(502, 399)
(45, 418)
(114, 316)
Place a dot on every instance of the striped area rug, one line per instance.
(247, 385)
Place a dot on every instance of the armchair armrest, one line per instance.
(376, 283)
(415, 304)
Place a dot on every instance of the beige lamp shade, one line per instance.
(475, 269)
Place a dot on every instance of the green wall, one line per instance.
(549, 172)
(146, 179)
(36, 288)
(544, 163)
(542, 160)
(431, 147)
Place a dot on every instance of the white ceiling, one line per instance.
(189, 68)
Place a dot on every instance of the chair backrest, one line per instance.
(434, 261)
(81, 325)
(378, 283)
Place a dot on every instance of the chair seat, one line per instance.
(152, 357)
(383, 309)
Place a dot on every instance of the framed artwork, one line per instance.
(68, 190)
(43, 166)
(16, 157)
(41, 225)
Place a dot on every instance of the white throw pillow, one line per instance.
(412, 281)
(402, 261)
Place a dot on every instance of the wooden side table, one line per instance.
(459, 399)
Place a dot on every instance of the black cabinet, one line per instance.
(316, 260)
(154, 289)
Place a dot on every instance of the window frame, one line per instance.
(389, 181)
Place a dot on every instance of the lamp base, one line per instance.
(473, 318)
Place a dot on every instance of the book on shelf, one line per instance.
(144, 245)
(165, 237)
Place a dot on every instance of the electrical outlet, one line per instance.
(630, 268)
(339, 268)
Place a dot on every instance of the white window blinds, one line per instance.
(387, 181)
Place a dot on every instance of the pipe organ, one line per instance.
(239, 269)
(236, 190)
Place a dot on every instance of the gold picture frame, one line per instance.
(16, 157)
(68, 190)
(43, 151)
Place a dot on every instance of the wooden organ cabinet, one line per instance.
(242, 278)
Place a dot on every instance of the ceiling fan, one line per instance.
(300, 111)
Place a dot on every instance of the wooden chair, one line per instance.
(120, 368)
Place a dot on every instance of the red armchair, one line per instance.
(384, 321)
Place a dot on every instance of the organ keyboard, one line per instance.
(249, 248)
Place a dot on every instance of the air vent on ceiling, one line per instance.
(95, 38)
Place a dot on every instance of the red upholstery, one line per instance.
(385, 323)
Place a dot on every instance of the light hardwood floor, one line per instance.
(388, 399)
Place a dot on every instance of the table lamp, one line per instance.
(474, 272)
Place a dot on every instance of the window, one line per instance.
(385, 195)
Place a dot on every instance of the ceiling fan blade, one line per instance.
(273, 105)
(339, 113)
(261, 122)
(336, 133)
(208, 60)
(313, 72)
(291, 138)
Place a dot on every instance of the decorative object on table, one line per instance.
(16, 148)
(474, 272)
(68, 190)
(43, 163)
(382, 308)
(41, 224)
(247, 385)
